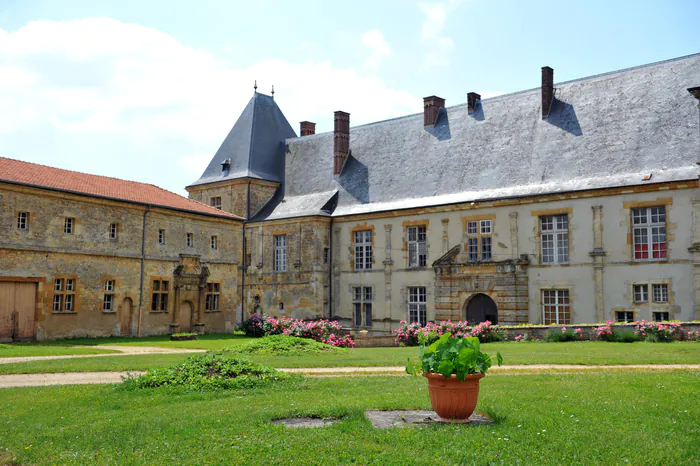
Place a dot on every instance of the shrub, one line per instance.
(407, 334)
(413, 334)
(325, 331)
(605, 332)
(208, 371)
(283, 344)
(625, 336)
(183, 334)
(487, 333)
(563, 335)
(253, 325)
(659, 331)
(693, 336)
(451, 355)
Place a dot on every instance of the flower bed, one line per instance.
(325, 331)
(413, 334)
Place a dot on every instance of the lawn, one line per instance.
(602, 353)
(15, 350)
(612, 418)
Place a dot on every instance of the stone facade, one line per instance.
(42, 252)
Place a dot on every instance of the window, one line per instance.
(479, 240)
(556, 307)
(189, 240)
(214, 242)
(659, 293)
(112, 231)
(68, 225)
(649, 233)
(281, 253)
(660, 316)
(624, 316)
(362, 304)
(64, 295)
(108, 302)
(554, 231)
(159, 299)
(22, 220)
(326, 255)
(216, 202)
(641, 293)
(161, 236)
(417, 305)
(212, 296)
(363, 250)
(417, 247)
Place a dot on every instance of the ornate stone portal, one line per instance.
(189, 285)
(459, 283)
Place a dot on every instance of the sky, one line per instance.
(147, 90)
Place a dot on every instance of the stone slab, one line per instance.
(304, 422)
(405, 418)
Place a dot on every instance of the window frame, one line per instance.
(363, 249)
(212, 297)
(160, 295)
(662, 293)
(416, 306)
(655, 313)
(649, 229)
(189, 240)
(626, 315)
(69, 225)
(279, 261)
(161, 236)
(108, 298)
(561, 317)
(641, 297)
(214, 242)
(23, 220)
(557, 236)
(113, 231)
(65, 289)
(415, 244)
(362, 300)
(215, 202)
(479, 245)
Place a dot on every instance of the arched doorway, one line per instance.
(125, 319)
(481, 308)
(186, 317)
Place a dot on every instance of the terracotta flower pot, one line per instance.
(453, 399)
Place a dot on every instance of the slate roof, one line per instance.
(254, 146)
(603, 131)
(32, 174)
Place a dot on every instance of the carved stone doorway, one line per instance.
(481, 308)
(186, 317)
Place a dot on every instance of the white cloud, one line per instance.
(100, 79)
(378, 48)
(437, 44)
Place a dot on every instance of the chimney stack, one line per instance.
(431, 109)
(307, 128)
(341, 140)
(547, 90)
(472, 99)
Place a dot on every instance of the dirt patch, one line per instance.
(63, 378)
(304, 422)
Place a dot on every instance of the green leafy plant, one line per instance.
(447, 356)
(284, 345)
(183, 334)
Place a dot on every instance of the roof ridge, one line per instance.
(252, 130)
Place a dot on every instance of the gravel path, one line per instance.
(71, 378)
(123, 351)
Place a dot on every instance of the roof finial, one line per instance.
(255, 86)
(273, 91)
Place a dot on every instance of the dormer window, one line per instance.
(226, 165)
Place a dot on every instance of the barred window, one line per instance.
(659, 292)
(479, 240)
(22, 220)
(363, 249)
(189, 240)
(212, 296)
(108, 300)
(214, 242)
(556, 307)
(417, 305)
(417, 247)
(362, 305)
(641, 293)
(649, 233)
(281, 253)
(159, 297)
(554, 231)
(64, 295)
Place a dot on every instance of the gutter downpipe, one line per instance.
(143, 259)
(330, 269)
(244, 255)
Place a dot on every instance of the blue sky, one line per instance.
(147, 90)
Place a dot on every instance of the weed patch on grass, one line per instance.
(280, 345)
(209, 371)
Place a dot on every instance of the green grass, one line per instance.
(554, 419)
(16, 350)
(208, 341)
(590, 353)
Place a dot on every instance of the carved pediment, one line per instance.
(449, 257)
(455, 256)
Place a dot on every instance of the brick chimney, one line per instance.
(547, 90)
(472, 99)
(307, 128)
(341, 140)
(431, 108)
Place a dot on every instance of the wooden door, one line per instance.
(125, 319)
(25, 309)
(7, 307)
(186, 317)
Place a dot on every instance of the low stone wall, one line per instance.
(588, 330)
(373, 342)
